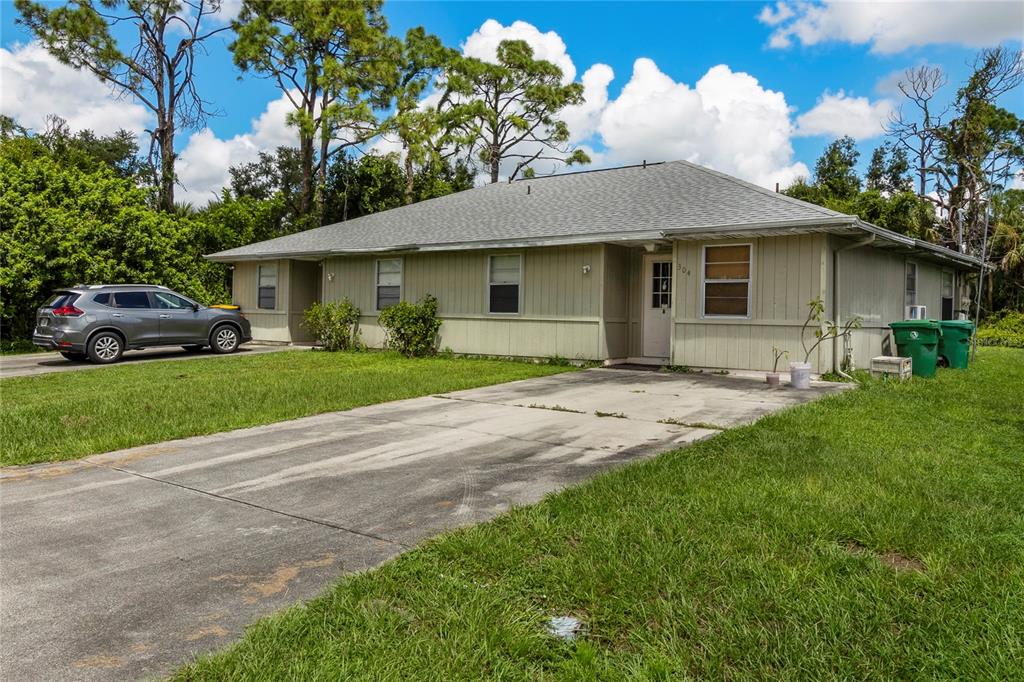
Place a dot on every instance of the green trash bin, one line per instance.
(955, 343)
(918, 339)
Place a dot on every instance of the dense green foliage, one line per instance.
(71, 220)
(335, 325)
(875, 534)
(887, 201)
(411, 328)
(66, 415)
(1005, 328)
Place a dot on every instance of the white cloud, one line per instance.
(893, 26)
(33, 84)
(483, 44)
(583, 119)
(728, 122)
(840, 114)
(203, 164)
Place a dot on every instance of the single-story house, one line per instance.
(659, 263)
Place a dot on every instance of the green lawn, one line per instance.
(66, 415)
(874, 534)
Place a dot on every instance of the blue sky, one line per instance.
(750, 125)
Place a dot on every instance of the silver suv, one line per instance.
(99, 322)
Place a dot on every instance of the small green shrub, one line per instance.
(1005, 328)
(411, 328)
(334, 325)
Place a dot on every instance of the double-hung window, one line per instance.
(910, 292)
(726, 281)
(504, 275)
(389, 282)
(267, 287)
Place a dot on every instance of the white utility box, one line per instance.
(891, 366)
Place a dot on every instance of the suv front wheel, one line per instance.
(224, 339)
(105, 348)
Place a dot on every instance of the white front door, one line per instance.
(657, 306)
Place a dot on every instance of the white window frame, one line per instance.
(749, 281)
(917, 280)
(259, 279)
(519, 284)
(377, 284)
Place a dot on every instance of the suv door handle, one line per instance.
(165, 316)
(117, 314)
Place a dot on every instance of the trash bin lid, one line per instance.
(915, 324)
(957, 324)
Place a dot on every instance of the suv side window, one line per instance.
(102, 299)
(131, 299)
(166, 301)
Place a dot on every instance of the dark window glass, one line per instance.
(388, 296)
(266, 296)
(102, 299)
(131, 299)
(504, 298)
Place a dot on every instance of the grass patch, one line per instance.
(65, 415)
(878, 533)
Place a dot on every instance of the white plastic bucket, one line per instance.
(800, 374)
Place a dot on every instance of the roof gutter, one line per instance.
(824, 221)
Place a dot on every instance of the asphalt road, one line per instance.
(127, 564)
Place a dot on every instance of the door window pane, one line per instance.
(170, 301)
(727, 280)
(131, 299)
(504, 273)
(267, 289)
(389, 282)
(661, 284)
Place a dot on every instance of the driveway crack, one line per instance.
(226, 498)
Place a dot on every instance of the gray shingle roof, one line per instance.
(591, 205)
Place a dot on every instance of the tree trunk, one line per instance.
(409, 178)
(167, 156)
(306, 155)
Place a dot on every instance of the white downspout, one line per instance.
(837, 366)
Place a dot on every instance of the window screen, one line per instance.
(727, 281)
(910, 296)
(267, 296)
(389, 282)
(131, 299)
(504, 274)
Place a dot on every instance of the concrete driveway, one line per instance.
(31, 364)
(126, 564)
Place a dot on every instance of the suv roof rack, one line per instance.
(114, 286)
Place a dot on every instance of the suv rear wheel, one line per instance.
(224, 339)
(105, 347)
